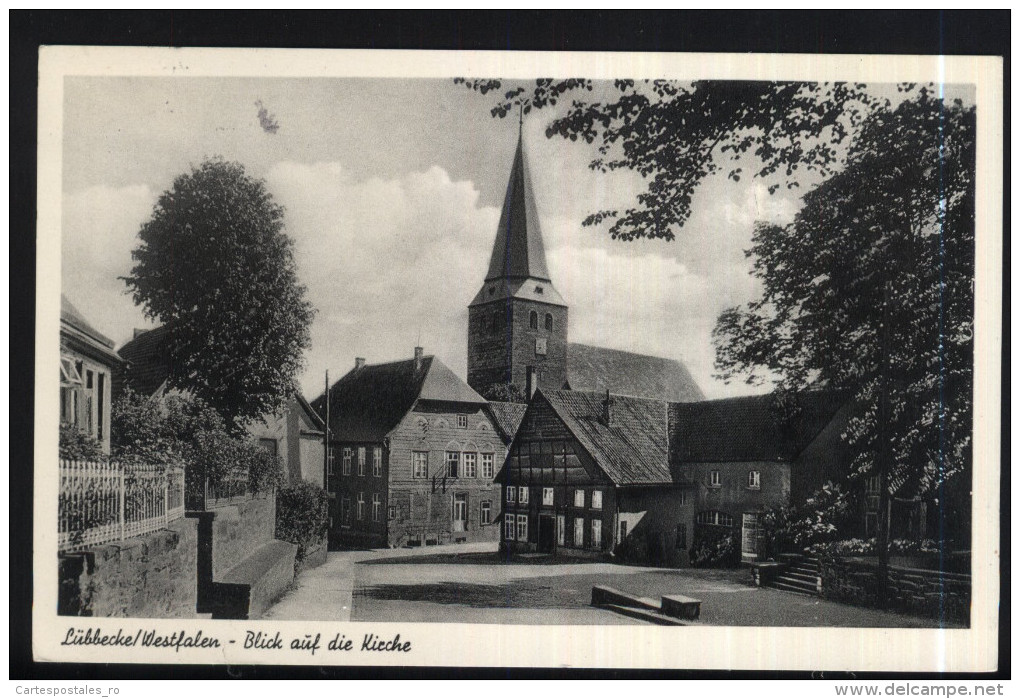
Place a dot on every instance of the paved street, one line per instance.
(471, 583)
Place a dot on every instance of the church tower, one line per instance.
(517, 323)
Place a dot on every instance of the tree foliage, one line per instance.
(871, 289)
(184, 431)
(504, 392)
(214, 262)
(675, 134)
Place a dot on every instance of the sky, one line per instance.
(392, 191)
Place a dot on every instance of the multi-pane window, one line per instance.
(578, 498)
(714, 479)
(522, 495)
(361, 461)
(487, 466)
(485, 512)
(579, 532)
(330, 463)
(522, 527)
(462, 421)
(596, 533)
(376, 507)
(596, 499)
(377, 461)
(420, 464)
(347, 461)
(509, 524)
(713, 517)
(391, 511)
(453, 464)
(754, 479)
(547, 496)
(361, 506)
(345, 509)
(511, 493)
(470, 465)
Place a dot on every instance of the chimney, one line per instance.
(607, 410)
(418, 354)
(139, 331)
(532, 384)
(359, 363)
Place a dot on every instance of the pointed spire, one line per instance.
(519, 252)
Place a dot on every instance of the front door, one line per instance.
(459, 512)
(546, 533)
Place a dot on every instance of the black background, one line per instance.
(891, 32)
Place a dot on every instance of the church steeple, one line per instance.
(518, 252)
(517, 322)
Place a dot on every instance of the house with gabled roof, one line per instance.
(593, 474)
(88, 367)
(414, 452)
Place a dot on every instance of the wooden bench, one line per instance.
(681, 607)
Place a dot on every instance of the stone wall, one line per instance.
(930, 593)
(239, 529)
(148, 576)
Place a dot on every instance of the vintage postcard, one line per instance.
(518, 359)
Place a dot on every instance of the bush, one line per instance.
(715, 551)
(182, 430)
(302, 516)
(818, 521)
(75, 445)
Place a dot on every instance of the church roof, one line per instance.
(367, 403)
(633, 448)
(518, 251)
(599, 369)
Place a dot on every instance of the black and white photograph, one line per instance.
(367, 349)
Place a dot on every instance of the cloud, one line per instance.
(99, 228)
(393, 261)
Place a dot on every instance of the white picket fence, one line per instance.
(104, 502)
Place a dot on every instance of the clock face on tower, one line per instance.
(540, 346)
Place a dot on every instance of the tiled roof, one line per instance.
(149, 361)
(750, 428)
(518, 251)
(600, 369)
(367, 403)
(632, 449)
(507, 417)
(73, 324)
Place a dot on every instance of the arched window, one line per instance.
(548, 321)
(533, 320)
(714, 518)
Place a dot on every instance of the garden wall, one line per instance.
(148, 576)
(930, 593)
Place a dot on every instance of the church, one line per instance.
(518, 329)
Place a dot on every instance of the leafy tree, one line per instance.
(675, 134)
(214, 263)
(871, 289)
(184, 431)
